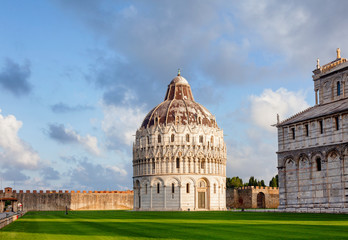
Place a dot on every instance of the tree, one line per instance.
(262, 183)
(254, 182)
(234, 182)
(274, 181)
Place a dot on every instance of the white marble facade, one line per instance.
(179, 156)
(313, 147)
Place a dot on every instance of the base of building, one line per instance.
(314, 210)
(179, 209)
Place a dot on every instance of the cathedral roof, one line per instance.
(179, 107)
(317, 112)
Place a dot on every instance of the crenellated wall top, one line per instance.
(61, 191)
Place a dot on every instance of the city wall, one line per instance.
(252, 197)
(51, 200)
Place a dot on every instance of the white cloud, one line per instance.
(65, 135)
(121, 122)
(264, 108)
(254, 154)
(118, 170)
(256, 158)
(14, 152)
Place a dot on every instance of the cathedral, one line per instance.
(179, 156)
(313, 146)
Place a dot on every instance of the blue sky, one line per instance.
(78, 77)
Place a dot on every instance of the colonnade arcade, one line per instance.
(147, 193)
(316, 179)
(167, 165)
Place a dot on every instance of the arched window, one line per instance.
(202, 164)
(321, 126)
(187, 137)
(318, 160)
(201, 139)
(172, 138)
(173, 188)
(145, 188)
(177, 163)
(338, 88)
(337, 121)
(148, 140)
(214, 188)
(187, 188)
(159, 139)
(158, 188)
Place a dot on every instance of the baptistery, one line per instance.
(179, 156)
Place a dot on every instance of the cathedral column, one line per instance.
(171, 164)
(210, 170)
(165, 197)
(219, 200)
(195, 197)
(150, 196)
(343, 187)
(179, 197)
(344, 88)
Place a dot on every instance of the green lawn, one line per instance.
(176, 225)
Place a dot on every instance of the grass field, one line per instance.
(176, 225)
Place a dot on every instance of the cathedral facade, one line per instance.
(313, 146)
(179, 156)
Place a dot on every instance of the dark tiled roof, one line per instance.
(179, 107)
(317, 111)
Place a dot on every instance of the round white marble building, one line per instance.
(179, 156)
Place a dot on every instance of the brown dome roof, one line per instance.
(179, 107)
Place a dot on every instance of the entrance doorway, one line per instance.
(202, 192)
(261, 200)
(201, 199)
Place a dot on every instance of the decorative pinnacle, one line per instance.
(338, 53)
(178, 71)
(318, 65)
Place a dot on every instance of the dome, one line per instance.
(179, 80)
(179, 107)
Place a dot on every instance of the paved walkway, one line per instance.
(6, 214)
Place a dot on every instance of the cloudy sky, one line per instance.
(78, 77)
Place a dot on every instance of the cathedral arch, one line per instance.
(174, 180)
(332, 153)
(285, 159)
(157, 180)
(317, 161)
(290, 163)
(302, 161)
(345, 150)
